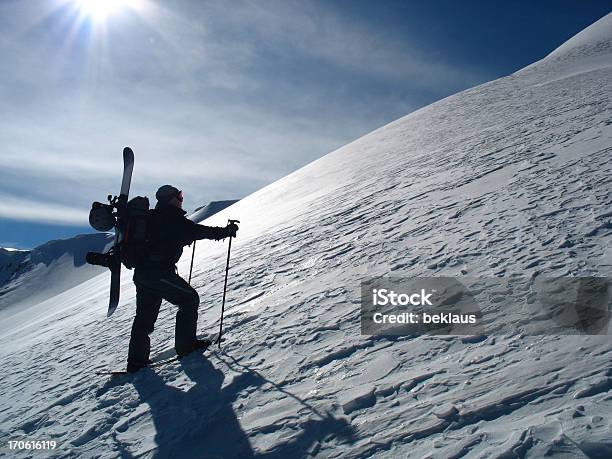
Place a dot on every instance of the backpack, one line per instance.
(135, 241)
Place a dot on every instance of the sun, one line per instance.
(98, 10)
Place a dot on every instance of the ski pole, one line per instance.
(191, 267)
(229, 248)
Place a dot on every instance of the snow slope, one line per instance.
(508, 178)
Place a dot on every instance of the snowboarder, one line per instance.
(156, 277)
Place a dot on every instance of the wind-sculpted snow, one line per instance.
(510, 179)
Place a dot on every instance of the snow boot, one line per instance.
(197, 344)
(134, 367)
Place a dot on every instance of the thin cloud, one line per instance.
(312, 29)
(11, 246)
(41, 212)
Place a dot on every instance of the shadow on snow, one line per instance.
(201, 421)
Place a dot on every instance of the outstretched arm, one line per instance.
(193, 231)
(207, 232)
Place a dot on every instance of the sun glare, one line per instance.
(101, 10)
(90, 25)
(98, 10)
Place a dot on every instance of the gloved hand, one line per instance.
(231, 230)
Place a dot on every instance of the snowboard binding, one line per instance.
(103, 217)
(108, 259)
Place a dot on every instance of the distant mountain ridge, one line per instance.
(202, 213)
(9, 260)
(48, 269)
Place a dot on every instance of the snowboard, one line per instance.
(120, 226)
(163, 360)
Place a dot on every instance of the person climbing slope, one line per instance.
(156, 278)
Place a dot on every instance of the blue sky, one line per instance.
(221, 98)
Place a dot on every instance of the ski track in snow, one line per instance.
(511, 177)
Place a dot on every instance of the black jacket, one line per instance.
(168, 231)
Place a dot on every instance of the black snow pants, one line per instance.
(153, 285)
